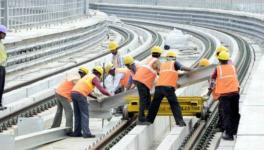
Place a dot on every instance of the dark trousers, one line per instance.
(2, 82)
(144, 100)
(220, 116)
(169, 93)
(81, 114)
(231, 116)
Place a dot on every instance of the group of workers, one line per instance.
(224, 86)
(154, 73)
(77, 86)
(165, 85)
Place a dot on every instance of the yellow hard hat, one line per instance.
(128, 60)
(204, 62)
(223, 55)
(84, 69)
(221, 48)
(99, 69)
(113, 45)
(108, 67)
(171, 54)
(156, 49)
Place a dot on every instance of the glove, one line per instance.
(206, 96)
(99, 100)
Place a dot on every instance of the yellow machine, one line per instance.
(190, 105)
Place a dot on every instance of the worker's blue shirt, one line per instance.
(177, 66)
(134, 68)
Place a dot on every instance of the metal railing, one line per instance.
(254, 6)
(16, 14)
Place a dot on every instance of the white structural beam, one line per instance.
(10, 142)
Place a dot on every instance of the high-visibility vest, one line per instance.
(64, 89)
(226, 80)
(125, 79)
(133, 73)
(168, 76)
(85, 86)
(146, 74)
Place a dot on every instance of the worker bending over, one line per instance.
(132, 66)
(144, 80)
(227, 86)
(63, 97)
(165, 87)
(84, 87)
(122, 81)
(121, 77)
(116, 58)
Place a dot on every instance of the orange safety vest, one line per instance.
(64, 89)
(85, 86)
(125, 79)
(146, 74)
(226, 80)
(132, 73)
(168, 76)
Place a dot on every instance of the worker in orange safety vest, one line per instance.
(63, 97)
(132, 66)
(121, 76)
(215, 96)
(144, 80)
(84, 87)
(227, 86)
(122, 80)
(165, 87)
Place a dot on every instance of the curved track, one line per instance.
(127, 38)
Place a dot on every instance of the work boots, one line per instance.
(181, 123)
(2, 107)
(227, 137)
